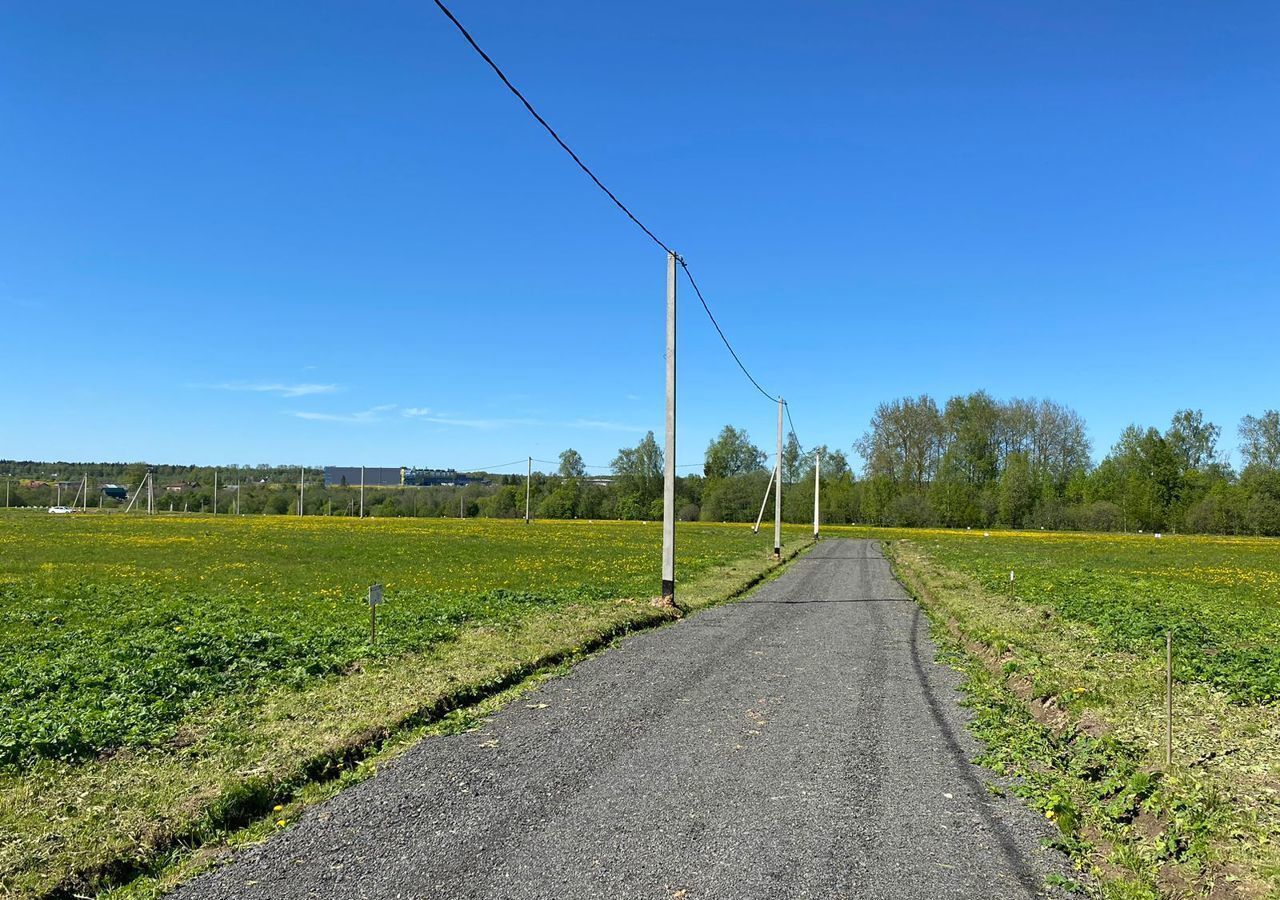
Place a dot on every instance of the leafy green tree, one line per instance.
(792, 459)
(732, 454)
(1017, 490)
(571, 464)
(1260, 440)
(1192, 440)
(638, 478)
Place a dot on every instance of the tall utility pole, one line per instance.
(362, 492)
(777, 494)
(302, 487)
(238, 497)
(215, 492)
(528, 490)
(84, 504)
(669, 459)
(817, 481)
(151, 492)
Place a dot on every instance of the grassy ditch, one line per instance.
(1077, 714)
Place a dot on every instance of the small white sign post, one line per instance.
(375, 600)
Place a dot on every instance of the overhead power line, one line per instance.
(720, 332)
(600, 184)
(551, 131)
(493, 468)
(787, 407)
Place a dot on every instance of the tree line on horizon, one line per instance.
(972, 462)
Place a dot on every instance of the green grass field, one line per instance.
(147, 663)
(1066, 669)
(166, 681)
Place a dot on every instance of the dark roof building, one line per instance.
(373, 476)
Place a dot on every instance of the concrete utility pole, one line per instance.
(669, 460)
(215, 492)
(768, 489)
(84, 504)
(302, 487)
(362, 492)
(817, 482)
(151, 493)
(528, 490)
(777, 496)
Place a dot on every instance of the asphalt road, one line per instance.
(798, 743)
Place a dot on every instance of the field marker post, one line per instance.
(777, 496)
(817, 481)
(528, 490)
(669, 447)
(375, 600)
(1168, 697)
(362, 492)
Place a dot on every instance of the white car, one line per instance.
(60, 509)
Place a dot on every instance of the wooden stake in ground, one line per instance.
(1168, 697)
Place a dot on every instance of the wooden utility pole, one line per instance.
(528, 490)
(669, 459)
(817, 481)
(777, 495)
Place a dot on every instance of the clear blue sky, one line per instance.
(324, 233)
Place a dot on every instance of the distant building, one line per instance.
(338, 476)
(432, 477)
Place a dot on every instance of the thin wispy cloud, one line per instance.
(603, 425)
(425, 414)
(363, 417)
(280, 389)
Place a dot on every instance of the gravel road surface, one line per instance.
(798, 743)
